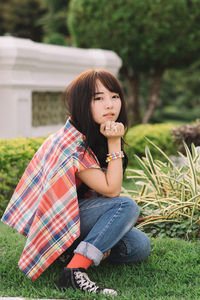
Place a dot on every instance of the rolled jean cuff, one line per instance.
(90, 252)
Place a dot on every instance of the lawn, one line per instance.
(171, 272)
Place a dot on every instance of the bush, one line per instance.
(160, 134)
(55, 39)
(15, 154)
(190, 134)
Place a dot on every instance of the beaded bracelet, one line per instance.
(114, 155)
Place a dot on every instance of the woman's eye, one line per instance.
(98, 98)
(116, 96)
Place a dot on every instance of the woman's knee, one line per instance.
(134, 247)
(143, 247)
(131, 209)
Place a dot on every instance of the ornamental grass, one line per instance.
(168, 193)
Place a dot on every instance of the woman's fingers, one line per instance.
(112, 129)
(106, 254)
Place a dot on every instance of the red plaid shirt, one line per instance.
(44, 206)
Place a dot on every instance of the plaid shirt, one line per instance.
(44, 206)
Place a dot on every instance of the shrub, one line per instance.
(160, 134)
(15, 154)
(55, 39)
(190, 134)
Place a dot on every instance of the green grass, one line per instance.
(171, 272)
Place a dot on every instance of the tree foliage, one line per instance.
(19, 18)
(54, 21)
(184, 84)
(2, 30)
(149, 35)
(180, 95)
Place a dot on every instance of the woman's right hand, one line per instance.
(106, 254)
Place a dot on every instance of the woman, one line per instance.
(69, 195)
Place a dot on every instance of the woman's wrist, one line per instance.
(114, 144)
(114, 155)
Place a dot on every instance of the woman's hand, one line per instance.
(111, 129)
(106, 254)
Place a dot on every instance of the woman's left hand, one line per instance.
(112, 129)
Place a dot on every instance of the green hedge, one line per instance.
(15, 154)
(159, 134)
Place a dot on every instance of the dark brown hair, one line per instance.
(79, 95)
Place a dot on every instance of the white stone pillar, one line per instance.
(26, 66)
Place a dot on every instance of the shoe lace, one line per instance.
(85, 283)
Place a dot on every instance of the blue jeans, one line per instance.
(108, 223)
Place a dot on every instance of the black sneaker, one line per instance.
(79, 280)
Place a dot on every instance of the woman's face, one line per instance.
(105, 105)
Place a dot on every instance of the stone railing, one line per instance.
(32, 78)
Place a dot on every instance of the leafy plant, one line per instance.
(168, 194)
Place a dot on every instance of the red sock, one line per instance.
(79, 261)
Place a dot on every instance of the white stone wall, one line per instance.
(26, 66)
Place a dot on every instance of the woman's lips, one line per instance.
(109, 115)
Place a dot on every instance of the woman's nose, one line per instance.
(108, 102)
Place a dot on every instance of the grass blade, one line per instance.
(163, 153)
(146, 172)
(192, 169)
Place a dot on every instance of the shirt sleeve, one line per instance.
(84, 159)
